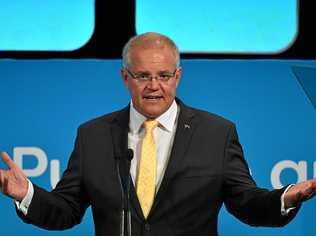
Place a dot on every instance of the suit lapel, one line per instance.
(119, 132)
(185, 128)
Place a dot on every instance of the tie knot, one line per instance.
(150, 125)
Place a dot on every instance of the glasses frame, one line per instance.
(151, 77)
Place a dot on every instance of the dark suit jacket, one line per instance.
(205, 170)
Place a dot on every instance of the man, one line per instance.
(186, 163)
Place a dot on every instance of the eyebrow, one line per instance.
(142, 72)
(148, 73)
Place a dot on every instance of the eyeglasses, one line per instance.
(163, 76)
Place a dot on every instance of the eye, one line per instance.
(142, 77)
(165, 76)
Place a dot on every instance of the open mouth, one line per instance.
(152, 98)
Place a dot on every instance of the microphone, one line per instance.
(129, 154)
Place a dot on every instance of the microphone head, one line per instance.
(129, 154)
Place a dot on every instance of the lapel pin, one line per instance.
(186, 126)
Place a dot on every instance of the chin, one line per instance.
(153, 114)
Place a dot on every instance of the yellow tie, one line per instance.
(146, 181)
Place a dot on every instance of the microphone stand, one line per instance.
(129, 158)
(128, 210)
(122, 225)
(123, 165)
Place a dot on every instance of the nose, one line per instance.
(153, 84)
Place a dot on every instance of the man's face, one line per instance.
(152, 98)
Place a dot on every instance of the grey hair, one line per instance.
(148, 40)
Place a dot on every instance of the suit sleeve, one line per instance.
(250, 204)
(65, 206)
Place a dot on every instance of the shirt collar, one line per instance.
(166, 120)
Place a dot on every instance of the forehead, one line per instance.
(146, 58)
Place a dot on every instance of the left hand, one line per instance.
(299, 193)
(13, 182)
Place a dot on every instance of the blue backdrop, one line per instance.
(43, 102)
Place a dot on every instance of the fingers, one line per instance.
(313, 188)
(7, 160)
(313, 183)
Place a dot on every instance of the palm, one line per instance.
(13, 182)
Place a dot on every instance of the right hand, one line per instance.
(13, 182)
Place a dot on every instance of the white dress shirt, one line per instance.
(163, 136)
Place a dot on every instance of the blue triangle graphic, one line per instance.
(306, 76)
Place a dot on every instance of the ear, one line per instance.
(124, 76)
(178, 75)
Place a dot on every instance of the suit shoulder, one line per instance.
(100, 121)
(215, 119)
